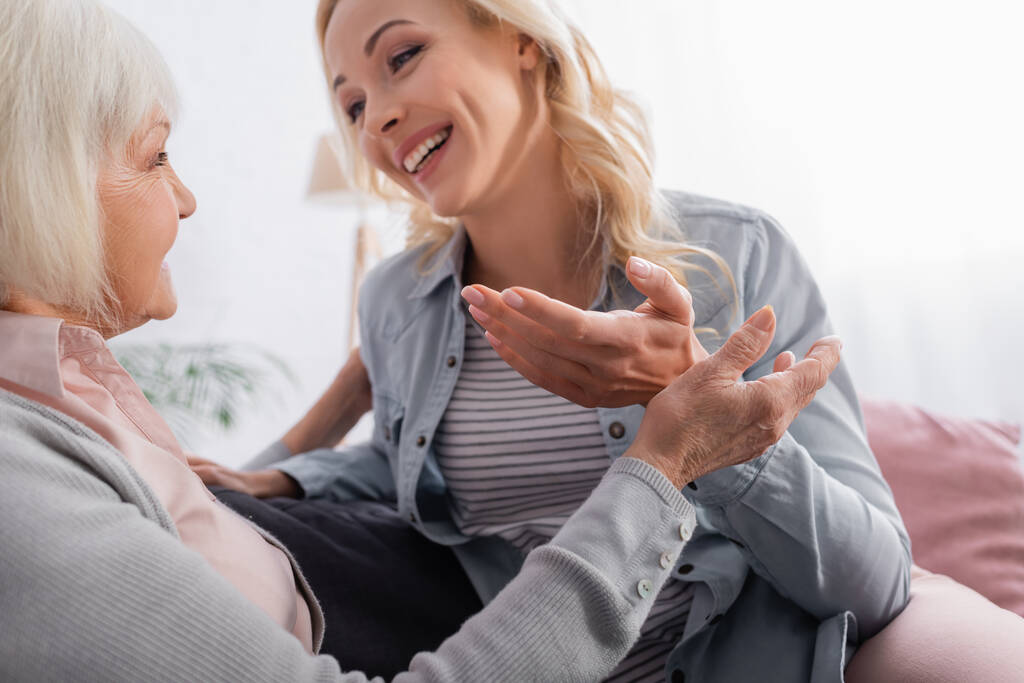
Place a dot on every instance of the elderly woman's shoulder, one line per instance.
(48, 458)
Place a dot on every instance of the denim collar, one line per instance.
(444, 264)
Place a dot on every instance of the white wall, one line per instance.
(256, 264)
(885, 136)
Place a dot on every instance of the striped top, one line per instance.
(518, 461)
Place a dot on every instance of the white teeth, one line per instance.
(416, 157)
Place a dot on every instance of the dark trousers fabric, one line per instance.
(386, 591)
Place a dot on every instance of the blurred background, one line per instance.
(886, 137)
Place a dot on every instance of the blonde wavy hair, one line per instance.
(607, 150)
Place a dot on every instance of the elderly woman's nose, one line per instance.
(186, 200)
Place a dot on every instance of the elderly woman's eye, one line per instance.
(355, 109)
(399, 60)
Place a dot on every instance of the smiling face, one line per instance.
(142, 200)
(447, 109)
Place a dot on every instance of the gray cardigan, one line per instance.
(95, 584)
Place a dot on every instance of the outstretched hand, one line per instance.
(260, 483)
(708, 419)
(594, 358)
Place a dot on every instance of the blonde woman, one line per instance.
(529, 179)
(116, 564)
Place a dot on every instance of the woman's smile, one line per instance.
(438, 147)
(418, 154)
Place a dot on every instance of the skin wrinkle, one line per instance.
(142, 200)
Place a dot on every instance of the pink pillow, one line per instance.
(959, 485)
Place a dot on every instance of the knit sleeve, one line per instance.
(93, 589)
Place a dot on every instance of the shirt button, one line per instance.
(685, 568)
(420, 440)
(684, 532)
(616, 430)
(451, 361)
(644, 588)
(665, 561)
(693, 485)
(678, 677)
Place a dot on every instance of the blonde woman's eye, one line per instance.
(354, 110)
(398, 61)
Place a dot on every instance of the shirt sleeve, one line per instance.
(357, 472)
(271, 455)
(95, 590)
(813, 514)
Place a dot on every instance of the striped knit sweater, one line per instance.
(518, 461)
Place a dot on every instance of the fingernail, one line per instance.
(832, 338)
(480, 316)
(639, 267)
(495, 342)
(512, 299)
(472, 296)
(762, 320)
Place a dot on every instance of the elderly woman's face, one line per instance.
(142, 200)
(438, 104)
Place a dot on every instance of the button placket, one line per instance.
(665, 561)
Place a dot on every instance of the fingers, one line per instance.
(784, 361)
(194, 460)
(783, 394)
(552, 382)
(543, 355)
(811, 374)
(746, 345)
(209, 474)
(662, 290)
(543, 320)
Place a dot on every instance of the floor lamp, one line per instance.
(328, 185)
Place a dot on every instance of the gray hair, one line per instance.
(77, 80)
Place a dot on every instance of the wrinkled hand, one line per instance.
(707, 419)
(594, 358)
(261, 483)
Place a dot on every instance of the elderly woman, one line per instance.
(116, 562)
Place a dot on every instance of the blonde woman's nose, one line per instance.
(383, 119)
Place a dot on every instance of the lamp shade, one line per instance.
(328, 182)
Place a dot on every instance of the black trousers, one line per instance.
(386, 591)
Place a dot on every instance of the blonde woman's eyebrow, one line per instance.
(371, 44)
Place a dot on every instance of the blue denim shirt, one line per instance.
(799, 554)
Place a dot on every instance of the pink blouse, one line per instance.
(70, 369)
